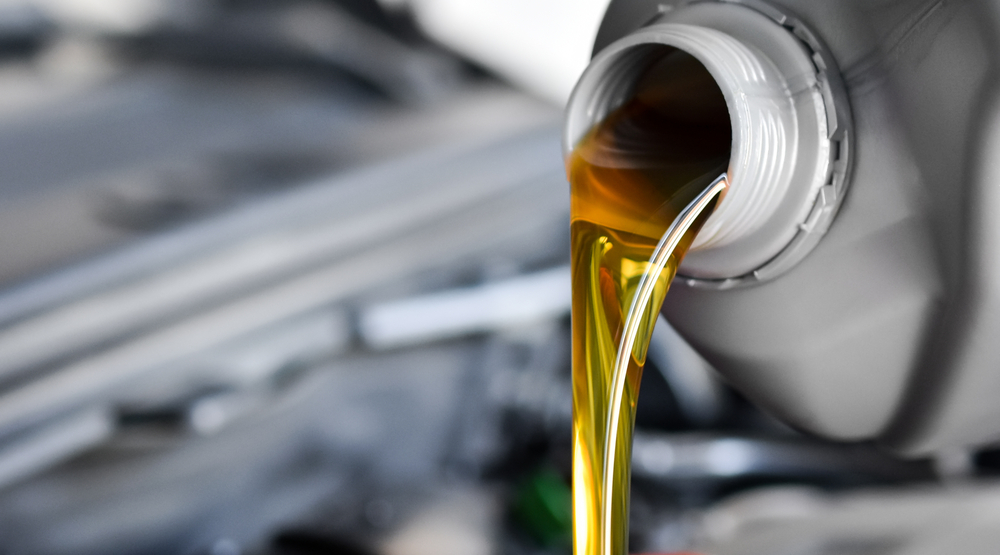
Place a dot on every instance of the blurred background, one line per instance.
(290, 277)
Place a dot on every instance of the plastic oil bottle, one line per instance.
(846, 273)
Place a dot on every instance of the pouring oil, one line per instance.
(643, 182)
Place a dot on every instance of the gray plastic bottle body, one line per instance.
(889, 328)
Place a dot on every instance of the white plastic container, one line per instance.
(850, 284)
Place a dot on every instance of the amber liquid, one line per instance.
(635, 176)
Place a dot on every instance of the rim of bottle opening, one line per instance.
(782, 153)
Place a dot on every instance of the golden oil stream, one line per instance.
(643, 182)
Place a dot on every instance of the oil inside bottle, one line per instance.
(643, 181)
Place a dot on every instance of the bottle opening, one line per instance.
(704, 92)
(674, 120)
